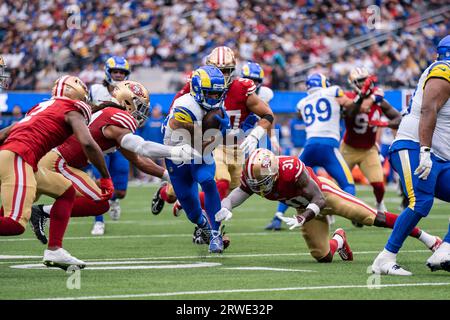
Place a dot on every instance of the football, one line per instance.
(209, 121)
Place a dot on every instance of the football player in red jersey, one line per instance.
(359, 143)
(112, 128)
(46, 126)
(241, 100)
(287, 179)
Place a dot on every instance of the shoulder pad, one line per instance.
(439, 69)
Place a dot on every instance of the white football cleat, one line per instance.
(440, 259)
(388, 267)
(60, 258)
(177, 209)
(114, 209)
(98, 229)
(381, 207)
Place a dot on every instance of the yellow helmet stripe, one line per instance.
(204, 78)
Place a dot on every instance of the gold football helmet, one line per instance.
(224, 59)
(134, 97)
(357, 76)
(71, 87)
(4, 75)
(261, 171)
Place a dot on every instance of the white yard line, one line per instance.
(269, 269)
(186, 293)
(225, 256)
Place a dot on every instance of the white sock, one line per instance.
(427, 239)
(444, 246)
(47, 208)
(339, 240)
(387, 255)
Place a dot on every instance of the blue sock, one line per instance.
(447, 236)
(212, 202)
(282, 207)
(405, 223)
(99, 218)
(350, 189)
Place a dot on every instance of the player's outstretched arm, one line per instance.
(145, 165)
(234, 199)
(149, 149)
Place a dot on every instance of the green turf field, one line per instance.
(143, 256)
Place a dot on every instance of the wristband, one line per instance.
(314, 208)
(425, 149)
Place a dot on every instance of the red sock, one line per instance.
(333, 246)
(223, 186)
(10, 227)
(201, 196)
(84, 207)
(390, 221)
(60, 215)
(2, 211)
(163, 194)
(378, 190)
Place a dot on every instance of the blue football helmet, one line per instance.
(208, 87)
(443, 48)
(253, 71)
(317, 80)
(116, 63)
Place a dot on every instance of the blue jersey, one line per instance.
(298, 133)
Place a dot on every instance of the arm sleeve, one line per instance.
(235, 199)
(145, 148)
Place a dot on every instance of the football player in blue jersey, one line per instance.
(207, 92)
(420, 154)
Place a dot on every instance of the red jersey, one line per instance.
(71, 149)
(358, 133)
(289, 169)
(235, 100)
(43, 128)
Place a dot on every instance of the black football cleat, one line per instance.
(157, 201)
(38, 220)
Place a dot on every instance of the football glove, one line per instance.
(425, 164)
(224, 122)
(294, 222)
(223, 215)
(184, 153)
(107, 187)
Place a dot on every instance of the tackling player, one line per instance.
(359, 144)
(287, 179)
(46, 126)
(420, 154)
(112, 128)
(116, 69)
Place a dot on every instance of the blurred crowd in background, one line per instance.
(42, 39)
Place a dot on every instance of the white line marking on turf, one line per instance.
(184, 293)
(141, 267)
(6, 257)
(255, 255)
(269, 269)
